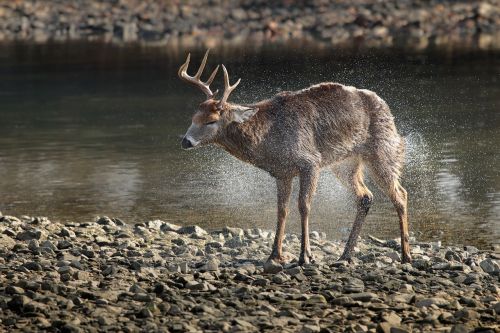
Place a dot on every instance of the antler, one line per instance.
(228, 89)
(195, 80)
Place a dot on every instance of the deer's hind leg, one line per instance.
(385, 166)
(351, 175)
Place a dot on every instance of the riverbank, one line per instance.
(157, 276)
(411, 24)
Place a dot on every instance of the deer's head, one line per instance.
(212, 116)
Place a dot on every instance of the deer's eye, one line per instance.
(211, 123)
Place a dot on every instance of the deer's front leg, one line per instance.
(273, 264)
(284, 187)
(308, 182)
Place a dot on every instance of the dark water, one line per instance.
(87, 130)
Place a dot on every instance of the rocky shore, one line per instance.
(160, 277)
(417, 24)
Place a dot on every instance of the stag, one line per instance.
(328, 125)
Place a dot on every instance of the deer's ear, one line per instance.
(243, 114)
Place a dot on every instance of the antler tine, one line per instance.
(212, 76)
(195, 80)
(228, 89)
(202, 66)
(184, 67)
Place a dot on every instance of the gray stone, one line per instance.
(18, 302)
(234, 232)
(460, 328)
(235, 242)
(65, 232)
(13, 290)
(167, 226)
(280, 277)
(29, 235)
(272, 267)
(490, 266)
(211, 265)
(33, 266)
(391, 318)
(354, 285)
(363, 297)
(195, 285)
(431, 301)
(343, 301)
(193, 231)
(104, 220)
(33, 245)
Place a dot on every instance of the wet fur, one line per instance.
(326, 125)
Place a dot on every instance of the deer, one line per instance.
(297, 134)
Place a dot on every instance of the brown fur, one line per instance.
(298, 133)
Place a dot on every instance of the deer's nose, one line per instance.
(186, 144)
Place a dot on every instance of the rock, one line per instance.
(363, 297)
(155, 224)
(467, 314)
(13, 290)
(29, 235)
(18, 302)
(193, 231)
(235, 242)
(212, 265)
(391, 318)
(6, 242)
(166, 226)
(64, 244)
(460, 328)
(109, 270)
(65, 232)
(452, 255)
(399, 330)
(343, 301)
(33, 266)
(33, 245)
(272, 267)
(471, 249)
(316, 299)
(307, 328)
(496, 307)
(48, 245)
(234, 232)
(354, 285)
(104, 220)
(136, 281)
(431, 301)
(490, 266)
(183, 267)
(260, 282)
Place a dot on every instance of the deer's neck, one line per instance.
(243, 140)
(240, 141)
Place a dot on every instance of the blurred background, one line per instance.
(91, 108)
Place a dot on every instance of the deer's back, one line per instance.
(322, 124)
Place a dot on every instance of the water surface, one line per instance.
(89, 129)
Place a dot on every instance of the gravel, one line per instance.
(155, 276)
(415, 24)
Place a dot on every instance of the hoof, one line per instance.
(345, 258)
(272, 267)
(305, 260)
(406, 259)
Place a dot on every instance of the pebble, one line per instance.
(173, 282)
(413, 24)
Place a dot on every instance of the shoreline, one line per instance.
(157, 276)
(416, 25)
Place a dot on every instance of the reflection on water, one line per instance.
(90, 130)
